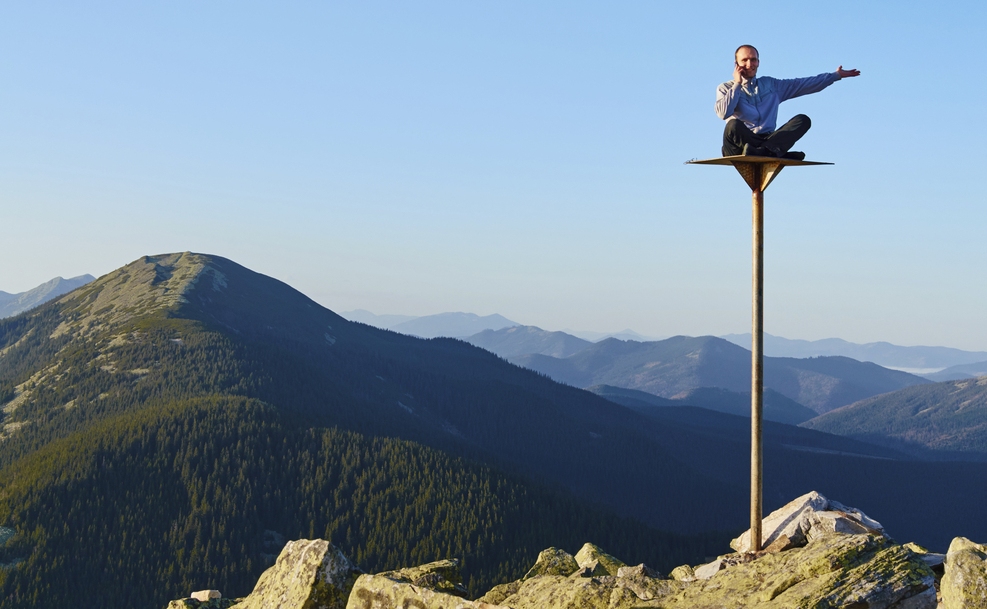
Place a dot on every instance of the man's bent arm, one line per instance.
(727, 98)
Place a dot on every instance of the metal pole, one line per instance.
(757, 367)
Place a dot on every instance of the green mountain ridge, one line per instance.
(942, 420)
(776, 407)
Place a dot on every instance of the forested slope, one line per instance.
(197, 493)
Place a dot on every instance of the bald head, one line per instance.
(747, 60)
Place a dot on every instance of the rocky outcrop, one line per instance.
(437, 585)
(809, 517)
(822, 555)
(964, 584)
(194, 603)
(307, 575)
(834, 570)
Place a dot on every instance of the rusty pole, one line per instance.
(757, 364)
(758, 172)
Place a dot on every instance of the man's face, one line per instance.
(748, 61)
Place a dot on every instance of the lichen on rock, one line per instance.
(436, 585)
(553, 561)
(590, 553)
(964, 584)
(308, 574)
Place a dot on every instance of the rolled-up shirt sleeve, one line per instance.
(727, 97)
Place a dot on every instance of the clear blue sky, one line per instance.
(521, 158)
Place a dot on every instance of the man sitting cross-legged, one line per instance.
(750, 106)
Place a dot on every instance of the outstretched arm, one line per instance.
(846, 73)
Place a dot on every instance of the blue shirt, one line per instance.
(756, 101)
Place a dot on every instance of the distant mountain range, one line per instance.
(450, 325)
(932, 363)
(924, 361)
(462, 325)
(956, 373)
(671, 368)
(13, 304)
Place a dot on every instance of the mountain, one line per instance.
(949, 418)
(727, 427)
(596, 337)
(776, 407)
(675, 366)
(12, 304)
(378, 321)
(956, 373)
(881, 353)
(523, 340)
(175, 420)
(451, 324)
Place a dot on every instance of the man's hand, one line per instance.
(843, 73)
(737, 72)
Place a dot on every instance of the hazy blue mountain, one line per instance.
(675, 366)
(453, 325)
(596, 337)
(12, 304)
(523, 340)
(881, 353)
(777, 407)
(956, 373)
(948, 417)
(378, 321)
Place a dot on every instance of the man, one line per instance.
(750, 107)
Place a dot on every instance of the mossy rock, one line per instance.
(553, 561)
(590, 553)
(964, 584)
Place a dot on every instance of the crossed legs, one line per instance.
(777, 143)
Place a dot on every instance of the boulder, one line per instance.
(192, 603)
(809, 517)
(590, 553)
(437, 585)
(964, 583)
(641, 570)
(308, 574)
(683, 573)
(204, 596)
(553, 561)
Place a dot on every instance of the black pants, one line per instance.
(777, 143)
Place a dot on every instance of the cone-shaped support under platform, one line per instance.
(757, 171)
